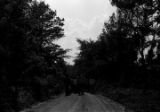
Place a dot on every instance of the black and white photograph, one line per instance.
(79, 55)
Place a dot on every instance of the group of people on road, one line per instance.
(75, 85)
(78, 85)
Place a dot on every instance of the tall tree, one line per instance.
(31, 61)
(128, 44)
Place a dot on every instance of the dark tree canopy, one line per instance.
(32, 65)
(126, 53)
(127, 50)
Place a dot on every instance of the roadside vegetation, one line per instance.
(122, 64)
(125, 59)
(32, 66)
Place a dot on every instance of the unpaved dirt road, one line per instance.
(76, 103)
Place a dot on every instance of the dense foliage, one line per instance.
(126, 53)
(32, 66)
(32, 69)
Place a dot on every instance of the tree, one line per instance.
(44, 28)
(142, 18)
(127, 46)
(31, 61)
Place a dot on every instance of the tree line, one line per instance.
(32, 66)
(126, 53)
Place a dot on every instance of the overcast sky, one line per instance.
(83, 19)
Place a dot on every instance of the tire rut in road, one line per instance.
(111, 105)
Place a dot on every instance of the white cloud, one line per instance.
(83, 19)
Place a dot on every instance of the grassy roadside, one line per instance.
(135, 99)
(36, 104)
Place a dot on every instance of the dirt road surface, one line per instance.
(76, 103)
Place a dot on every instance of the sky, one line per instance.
(84, 19)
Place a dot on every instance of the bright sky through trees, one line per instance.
(83, 19)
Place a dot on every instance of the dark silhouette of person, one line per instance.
(80, 84)
(67, 85)
(92, 83)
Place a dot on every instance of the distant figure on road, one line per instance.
(92, 83)
(75, 85)
(81, 84)
(67, 86)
